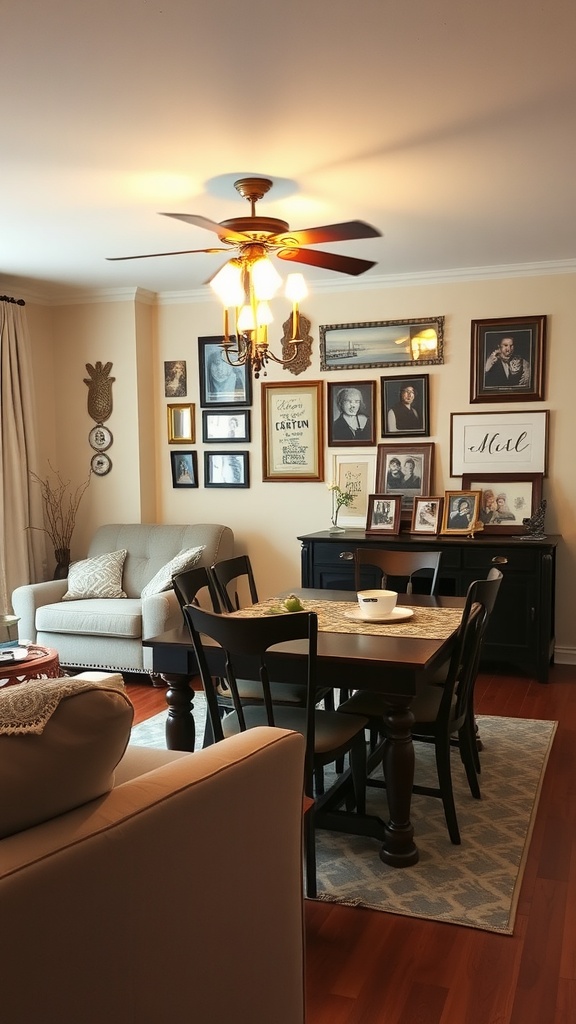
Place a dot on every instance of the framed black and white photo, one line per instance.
(405, 406)
(405, 469)
(382, 343)
(508, 359)
(226, 469)
(506, 499)
(383, 514)
(228, 426)
(220, 382)
(352, 414)
(175, 383)
(461, 511)
(499, 442)
(184, 469)
(427, 514)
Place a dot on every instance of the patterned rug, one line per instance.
(476, 884)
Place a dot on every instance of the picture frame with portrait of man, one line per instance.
(405, 406)
(220, 382)
(507, 361)
(405, 469)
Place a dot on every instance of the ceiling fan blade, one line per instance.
(327, 260)
(149, 255)
(328, 233)
(209, 225)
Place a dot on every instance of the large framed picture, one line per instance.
(220, 383)
(292, 431)
(184, 469)
(352, 413)
(181, 428)
(383, 514)
(405, 406)
(382, 343)
(405, 469)
(427, 515)
(499, 442)
(461, 511)
(507, 359)
(355, 473)
(229, 426)
(226, 469)
(506, 498)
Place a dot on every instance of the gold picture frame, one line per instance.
(181, 427)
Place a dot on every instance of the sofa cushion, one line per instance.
(185, 559)
(71, 760)
(96, 577)
(118, 618)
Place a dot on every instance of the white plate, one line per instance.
(11, 654)
(398, 614)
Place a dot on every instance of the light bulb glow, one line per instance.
(246, 319)
(265, 279)
(296, 289)
(228, 284)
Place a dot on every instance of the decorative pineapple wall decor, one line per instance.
(99, 385)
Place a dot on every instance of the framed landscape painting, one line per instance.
(382, 343)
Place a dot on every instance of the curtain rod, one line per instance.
(8, 298)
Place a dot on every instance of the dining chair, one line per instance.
(444, 707)
(329, 735)
(398, 570)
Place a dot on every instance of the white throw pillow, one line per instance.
(96, 577)
(185, 559)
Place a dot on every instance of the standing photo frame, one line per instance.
(507, 361)
(499, 442)
(355, 473)
(405, 469)
(427, 515)
(184, 467)
(292, 431)
(226, 469)
(382, 343)
(461, 511)
(383, 514)
(221, 383)
(506, 499)
(405, 406)
(351, 410)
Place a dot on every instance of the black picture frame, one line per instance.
(226, 469)
(235, 388)
(184, 468)
(400, 418)
(359, 429)
(418, 342)
(507, 359)
(227, 426)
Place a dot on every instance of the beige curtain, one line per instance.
(22, 551)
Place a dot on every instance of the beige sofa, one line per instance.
(107, 634)
(176, 897)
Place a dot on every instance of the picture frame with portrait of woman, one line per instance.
(461, 511)
(228, 426)
(405, 406)
(405, 469)
(383, 514)
(220, 382)
(351, 410)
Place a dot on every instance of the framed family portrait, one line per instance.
(184, 469)
(220, 382)
(226, 469)
(461, 511)
(355, 473)
(405, 469)
(181, 428)
(506, 499)
(231, 426)
(405, 406)
(352, 413)
(427, 515)
(292, 431)
(505, 442)
(507, 362)
(382, 343)
(383, 514)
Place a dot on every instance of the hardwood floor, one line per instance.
(365, 967)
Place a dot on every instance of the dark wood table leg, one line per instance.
(398, 848)
(180, 726)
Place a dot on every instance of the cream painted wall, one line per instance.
(268, 517)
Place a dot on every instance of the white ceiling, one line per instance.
(449, 125)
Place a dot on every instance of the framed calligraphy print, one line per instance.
(498, 442)
(292, 431)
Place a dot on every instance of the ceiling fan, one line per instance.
(255, 236)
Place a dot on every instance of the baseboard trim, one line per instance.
(564, 655)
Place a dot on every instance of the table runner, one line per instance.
(425, 624)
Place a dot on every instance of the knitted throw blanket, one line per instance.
(27, 708)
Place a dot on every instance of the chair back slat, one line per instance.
(398, 568)
(234, 571)
(187, 585)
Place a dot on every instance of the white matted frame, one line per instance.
(499, 442)
(355, 473)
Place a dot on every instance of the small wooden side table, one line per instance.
(41, 663)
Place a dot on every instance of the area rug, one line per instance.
(475, 884)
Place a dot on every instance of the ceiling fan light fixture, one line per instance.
(228, 284)
(265, 278)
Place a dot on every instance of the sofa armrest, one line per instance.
(26, 599)
(159, 613)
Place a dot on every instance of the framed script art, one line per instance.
(492, 442)
(352, 413)
(506, 499)
(405, 469)
(292, 435)
(405, 406)
(356, 473)
(221, 383)
(383, 514)
(507, 360)
(382, 343)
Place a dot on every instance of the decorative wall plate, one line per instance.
(100, 464)
(100, 438)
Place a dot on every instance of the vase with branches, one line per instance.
(340, 499)
(60, 510)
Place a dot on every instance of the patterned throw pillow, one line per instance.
(96, 577)
(185, 559)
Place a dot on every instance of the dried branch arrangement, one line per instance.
(60, 508)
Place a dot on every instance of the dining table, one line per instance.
(394, 659)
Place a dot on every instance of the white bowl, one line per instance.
(374, 604)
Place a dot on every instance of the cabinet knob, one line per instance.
(346, 556)
(500, 560)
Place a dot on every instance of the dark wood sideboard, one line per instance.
(521, 630)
